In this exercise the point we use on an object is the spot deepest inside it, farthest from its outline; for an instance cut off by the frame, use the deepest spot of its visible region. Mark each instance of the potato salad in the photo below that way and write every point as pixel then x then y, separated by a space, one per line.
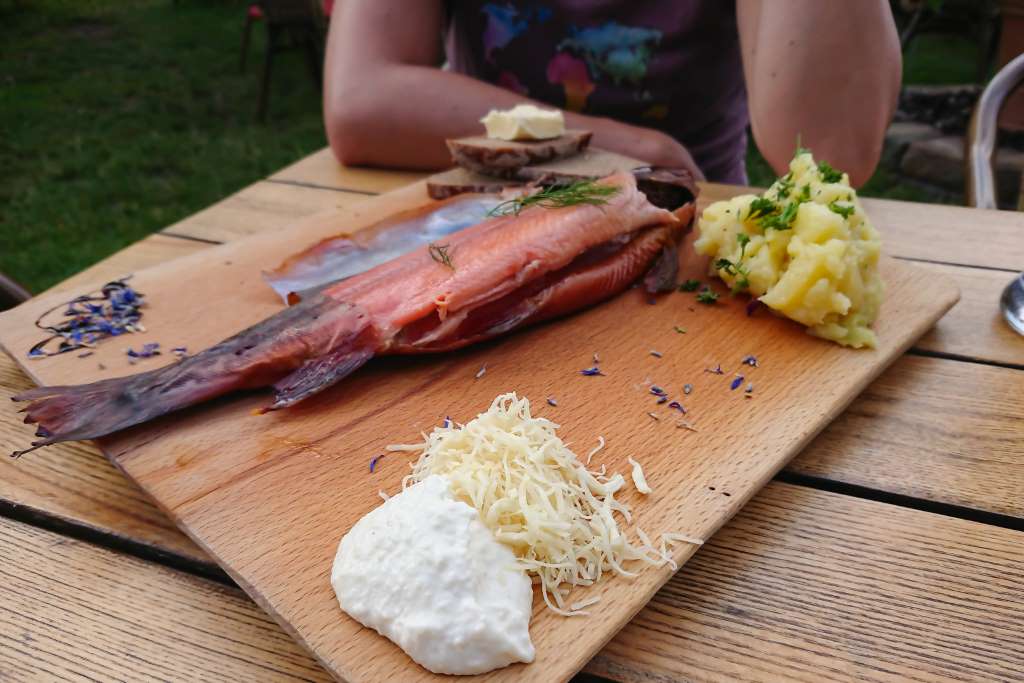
pixel 804 248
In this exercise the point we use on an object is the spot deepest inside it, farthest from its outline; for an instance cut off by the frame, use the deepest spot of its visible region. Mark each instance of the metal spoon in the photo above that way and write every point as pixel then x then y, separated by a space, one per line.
pixel 1012 303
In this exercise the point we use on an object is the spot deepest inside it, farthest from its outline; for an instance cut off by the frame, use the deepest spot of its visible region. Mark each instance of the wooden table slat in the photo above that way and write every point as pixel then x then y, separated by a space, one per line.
pixel 875 593
pixel 811 586
pixel 936 429
pixel 258 208
pixel 75 483
pixel 321 169
pixel 73 611
pixel 975 328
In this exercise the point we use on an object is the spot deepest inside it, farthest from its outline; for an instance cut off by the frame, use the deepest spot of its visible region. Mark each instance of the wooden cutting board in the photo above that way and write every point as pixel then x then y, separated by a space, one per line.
pixel 269 496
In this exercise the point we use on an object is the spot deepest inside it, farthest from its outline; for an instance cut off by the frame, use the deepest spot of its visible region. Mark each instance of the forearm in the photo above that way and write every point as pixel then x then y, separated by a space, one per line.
pixel 399 115
pixel 826 71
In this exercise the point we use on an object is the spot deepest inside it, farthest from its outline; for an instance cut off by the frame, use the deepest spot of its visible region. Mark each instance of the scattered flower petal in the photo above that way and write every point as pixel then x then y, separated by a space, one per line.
pixel 736 382
pixel 552 402
pixel 656 354
pixel 676 405
pixel 590 372
pixel 373 462
pixel 480 373
pixel 751 361
pixel 716 371
pixel 687 389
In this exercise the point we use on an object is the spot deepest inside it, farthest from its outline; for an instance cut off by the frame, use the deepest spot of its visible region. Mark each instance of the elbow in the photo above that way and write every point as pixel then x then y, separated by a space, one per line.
pixel 857 153
pixel 347 131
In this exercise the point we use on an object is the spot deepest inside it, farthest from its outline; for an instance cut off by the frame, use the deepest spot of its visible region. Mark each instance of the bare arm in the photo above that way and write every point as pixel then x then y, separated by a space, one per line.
pixel 387 104
pixel 826 70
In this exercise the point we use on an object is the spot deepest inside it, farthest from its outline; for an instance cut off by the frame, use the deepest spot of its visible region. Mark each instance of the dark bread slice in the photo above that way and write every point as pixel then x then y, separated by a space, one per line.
pixel 590 163
pixel 458 180
pixel 502 158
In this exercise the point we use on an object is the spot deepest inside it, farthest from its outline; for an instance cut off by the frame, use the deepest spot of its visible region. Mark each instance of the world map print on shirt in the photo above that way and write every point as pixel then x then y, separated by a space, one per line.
pixel 673 65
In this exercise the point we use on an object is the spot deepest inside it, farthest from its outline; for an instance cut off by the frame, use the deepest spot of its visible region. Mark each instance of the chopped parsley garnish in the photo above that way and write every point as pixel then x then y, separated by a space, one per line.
pixel 844 211
pixel 805 194
pixel 761 207
pixel 706 296
pixel 829 174
pixel 785 187
pixel 690 286
pixel 737 270
pixel 783 220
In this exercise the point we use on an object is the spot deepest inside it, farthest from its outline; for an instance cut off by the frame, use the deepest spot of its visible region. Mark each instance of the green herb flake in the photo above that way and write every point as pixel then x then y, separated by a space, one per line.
pixel 761 207
pixel 690 286
pixel 844 211
pixel 706 296
pixel 558 197
pixel 679 330
pixel 829 174
pixel 439 252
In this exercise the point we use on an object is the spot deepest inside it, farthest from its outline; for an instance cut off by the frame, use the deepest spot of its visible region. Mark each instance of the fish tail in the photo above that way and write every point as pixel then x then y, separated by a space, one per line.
pixel 304 348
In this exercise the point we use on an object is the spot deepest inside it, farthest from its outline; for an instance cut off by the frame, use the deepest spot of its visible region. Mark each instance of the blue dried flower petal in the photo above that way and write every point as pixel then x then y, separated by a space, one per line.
pixel 662 399
pixel 750 360
pixel 590 372
pixel 552 402
pixel 687 389
pixel 676 405
pixel 656 390
pixel 736 382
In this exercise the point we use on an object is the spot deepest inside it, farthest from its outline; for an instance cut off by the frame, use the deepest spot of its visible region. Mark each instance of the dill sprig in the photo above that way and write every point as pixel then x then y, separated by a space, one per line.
pixel 557 197
pixel 439 252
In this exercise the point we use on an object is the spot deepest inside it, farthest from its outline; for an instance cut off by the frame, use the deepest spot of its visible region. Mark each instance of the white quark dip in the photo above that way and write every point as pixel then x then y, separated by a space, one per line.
pixel 424 571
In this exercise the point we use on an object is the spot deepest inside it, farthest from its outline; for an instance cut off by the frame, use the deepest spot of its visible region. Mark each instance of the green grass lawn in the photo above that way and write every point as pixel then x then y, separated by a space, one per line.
pixel 119 117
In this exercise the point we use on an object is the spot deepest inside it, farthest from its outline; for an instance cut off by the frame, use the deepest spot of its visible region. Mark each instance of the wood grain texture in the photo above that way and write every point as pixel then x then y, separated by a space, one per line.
pixel 975 328
pixel 878 593
pixel 810 586
pixel 934 429
pixel 323 170
pixel 76 484
pixel 145 253
pixel 258 208
pixel 70 611
pixel 232 480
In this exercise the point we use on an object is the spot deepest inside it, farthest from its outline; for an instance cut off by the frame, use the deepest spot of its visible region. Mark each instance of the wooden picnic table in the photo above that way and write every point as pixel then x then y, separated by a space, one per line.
pixel 892 548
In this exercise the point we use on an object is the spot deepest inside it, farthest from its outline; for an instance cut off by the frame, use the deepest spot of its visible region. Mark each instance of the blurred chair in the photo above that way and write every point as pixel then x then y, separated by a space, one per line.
pixel 11 293
pixel 291 25
pixel 981 181
pixel 982 132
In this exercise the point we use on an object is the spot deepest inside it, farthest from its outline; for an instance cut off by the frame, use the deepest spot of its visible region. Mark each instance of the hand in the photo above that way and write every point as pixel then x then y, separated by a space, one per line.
pixel 660 149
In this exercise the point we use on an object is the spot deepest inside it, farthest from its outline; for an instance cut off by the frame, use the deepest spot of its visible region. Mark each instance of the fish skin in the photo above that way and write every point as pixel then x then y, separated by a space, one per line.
pixel 345 255
pixel 543 263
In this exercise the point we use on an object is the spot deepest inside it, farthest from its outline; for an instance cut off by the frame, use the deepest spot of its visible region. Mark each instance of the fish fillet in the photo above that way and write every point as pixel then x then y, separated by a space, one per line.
pixel 499 275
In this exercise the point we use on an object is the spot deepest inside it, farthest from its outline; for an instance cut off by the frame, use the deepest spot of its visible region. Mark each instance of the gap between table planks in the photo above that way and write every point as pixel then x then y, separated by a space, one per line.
pixel 254 482
pixel 880 593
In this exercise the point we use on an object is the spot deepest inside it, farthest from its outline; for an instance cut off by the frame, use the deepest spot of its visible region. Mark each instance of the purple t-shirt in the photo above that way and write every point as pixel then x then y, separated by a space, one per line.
pixel 674 65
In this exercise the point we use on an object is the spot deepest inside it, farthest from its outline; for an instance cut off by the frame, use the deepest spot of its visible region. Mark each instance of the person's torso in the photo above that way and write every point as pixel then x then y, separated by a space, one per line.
pixel 674 65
